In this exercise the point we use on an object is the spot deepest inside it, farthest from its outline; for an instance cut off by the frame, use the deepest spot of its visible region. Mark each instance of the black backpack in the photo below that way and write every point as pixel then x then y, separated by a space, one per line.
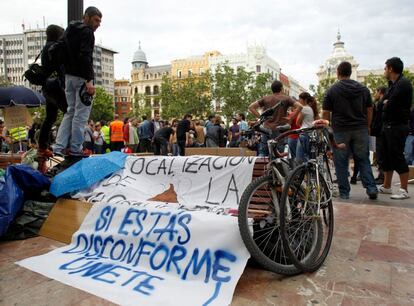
pixel 36 75
pixel 59 52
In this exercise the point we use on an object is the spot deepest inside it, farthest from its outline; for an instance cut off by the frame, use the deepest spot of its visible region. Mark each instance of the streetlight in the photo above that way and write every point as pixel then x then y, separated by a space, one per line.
pixel 75 10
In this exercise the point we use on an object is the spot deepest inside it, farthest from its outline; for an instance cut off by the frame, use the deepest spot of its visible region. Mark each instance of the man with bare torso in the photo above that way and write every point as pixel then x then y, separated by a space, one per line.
pixel 279 116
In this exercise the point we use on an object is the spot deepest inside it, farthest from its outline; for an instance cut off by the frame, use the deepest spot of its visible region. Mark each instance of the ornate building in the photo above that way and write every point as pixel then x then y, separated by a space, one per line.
pixel 255 60
pixel 193 65
pixel 339 54
pixel 146 82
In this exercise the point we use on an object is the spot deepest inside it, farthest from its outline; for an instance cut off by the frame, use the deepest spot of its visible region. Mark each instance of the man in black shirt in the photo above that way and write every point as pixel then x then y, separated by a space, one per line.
pixel 376 130
pixel 79 75
pixel 350 104
pixel 396 112
pixel 162 138
pixel 183 133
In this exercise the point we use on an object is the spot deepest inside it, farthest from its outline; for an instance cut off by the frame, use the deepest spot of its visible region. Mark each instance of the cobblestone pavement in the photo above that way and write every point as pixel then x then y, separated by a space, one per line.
pixel 371 263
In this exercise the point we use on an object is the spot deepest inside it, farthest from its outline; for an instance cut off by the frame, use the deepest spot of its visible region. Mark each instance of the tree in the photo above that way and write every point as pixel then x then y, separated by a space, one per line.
pixel 103 106
pixel 4 82
pixel 141 106
pixel 235 90
pixel 320 90
pixel 188 95
pixel 374 81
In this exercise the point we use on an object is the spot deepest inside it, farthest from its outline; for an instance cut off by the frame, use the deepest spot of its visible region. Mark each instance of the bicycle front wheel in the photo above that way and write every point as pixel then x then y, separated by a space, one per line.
pixel 306 227
pixel 258 219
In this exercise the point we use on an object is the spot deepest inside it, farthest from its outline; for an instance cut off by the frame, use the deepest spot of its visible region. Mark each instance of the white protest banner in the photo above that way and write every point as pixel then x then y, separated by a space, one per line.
pixel 213 183
pixel 143 255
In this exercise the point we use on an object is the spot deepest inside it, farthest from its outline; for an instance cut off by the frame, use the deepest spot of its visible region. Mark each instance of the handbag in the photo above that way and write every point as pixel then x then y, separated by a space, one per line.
pixel 35 74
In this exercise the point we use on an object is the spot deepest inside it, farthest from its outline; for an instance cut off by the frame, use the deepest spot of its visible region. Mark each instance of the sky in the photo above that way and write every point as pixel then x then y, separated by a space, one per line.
pixel 298 34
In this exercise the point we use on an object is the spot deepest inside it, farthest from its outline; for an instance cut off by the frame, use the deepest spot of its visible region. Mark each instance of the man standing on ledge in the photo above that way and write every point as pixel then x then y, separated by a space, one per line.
pixel 395 115
pixel 79 77
pixel 350 104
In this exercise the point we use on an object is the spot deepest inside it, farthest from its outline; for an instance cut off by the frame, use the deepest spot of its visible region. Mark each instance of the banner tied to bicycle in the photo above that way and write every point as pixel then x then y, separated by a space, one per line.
pixel 159 226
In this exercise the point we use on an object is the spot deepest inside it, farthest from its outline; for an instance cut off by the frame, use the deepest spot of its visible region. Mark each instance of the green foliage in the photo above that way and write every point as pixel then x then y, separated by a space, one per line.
pixel 4 82
pixel 235 90
pixel 141 106
pixel 232 90
pixel 103 106
pixel 320 90
pixel 188 95
pixel 374 81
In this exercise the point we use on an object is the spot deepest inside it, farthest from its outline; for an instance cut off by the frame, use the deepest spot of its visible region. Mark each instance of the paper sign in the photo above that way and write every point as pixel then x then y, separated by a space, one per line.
pixel 17 116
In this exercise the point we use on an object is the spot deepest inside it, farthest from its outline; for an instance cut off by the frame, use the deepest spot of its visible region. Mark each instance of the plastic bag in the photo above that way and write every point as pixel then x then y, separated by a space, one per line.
pixel 11 200
pixel 28 179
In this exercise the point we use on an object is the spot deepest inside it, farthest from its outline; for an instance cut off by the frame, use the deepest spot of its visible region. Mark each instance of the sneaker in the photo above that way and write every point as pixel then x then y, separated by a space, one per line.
pixel 353 180
pixel 384 190
pixel 403 194
pixel 372 195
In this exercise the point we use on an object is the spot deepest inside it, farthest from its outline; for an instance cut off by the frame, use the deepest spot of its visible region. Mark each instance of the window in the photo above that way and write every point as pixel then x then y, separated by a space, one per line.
pixel 179 73
pixel 156 90
pixel 258 68
pixel 190 72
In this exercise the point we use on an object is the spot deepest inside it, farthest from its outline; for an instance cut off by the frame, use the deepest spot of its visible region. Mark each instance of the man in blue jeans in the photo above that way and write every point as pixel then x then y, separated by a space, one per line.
pixel 349 104
pixel 79 75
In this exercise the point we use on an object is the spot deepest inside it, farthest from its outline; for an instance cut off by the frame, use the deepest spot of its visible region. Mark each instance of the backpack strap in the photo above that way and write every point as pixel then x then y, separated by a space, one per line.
pixel 37 57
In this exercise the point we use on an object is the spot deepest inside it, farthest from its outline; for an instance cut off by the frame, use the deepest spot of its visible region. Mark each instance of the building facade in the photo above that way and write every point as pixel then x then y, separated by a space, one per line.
pixel 295 89
pixel 146 82
pixel 103 65
pixel 193 65
pixel 122 98
pixel 255 60
pixel 339 54
pixel 18 51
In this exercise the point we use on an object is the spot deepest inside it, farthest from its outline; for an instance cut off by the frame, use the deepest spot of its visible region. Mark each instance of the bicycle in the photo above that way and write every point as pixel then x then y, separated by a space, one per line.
pixel 258 214
pixel 306 218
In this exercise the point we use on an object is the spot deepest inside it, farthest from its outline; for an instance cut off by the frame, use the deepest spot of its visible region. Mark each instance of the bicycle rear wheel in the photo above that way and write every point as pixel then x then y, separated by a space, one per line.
pixel 258 220
pixel 306 233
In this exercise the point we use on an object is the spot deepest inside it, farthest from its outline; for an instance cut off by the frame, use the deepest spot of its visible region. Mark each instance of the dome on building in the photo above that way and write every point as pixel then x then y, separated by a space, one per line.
pixel 339 49
pixel 139 56
pixel 339 54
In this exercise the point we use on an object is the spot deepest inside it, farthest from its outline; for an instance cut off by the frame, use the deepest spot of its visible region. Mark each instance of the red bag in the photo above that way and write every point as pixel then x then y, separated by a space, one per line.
pixel 126 150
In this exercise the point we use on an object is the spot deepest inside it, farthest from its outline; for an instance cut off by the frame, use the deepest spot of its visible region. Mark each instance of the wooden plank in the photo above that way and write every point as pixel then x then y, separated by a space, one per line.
pixel 200 151
pixel 9 159
pixel 64 219
pixel 219 151
pixel 411 174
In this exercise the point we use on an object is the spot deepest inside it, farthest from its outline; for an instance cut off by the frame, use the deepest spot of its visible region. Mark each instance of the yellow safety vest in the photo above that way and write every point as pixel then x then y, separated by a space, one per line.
pixel 18 134
pixel 105 131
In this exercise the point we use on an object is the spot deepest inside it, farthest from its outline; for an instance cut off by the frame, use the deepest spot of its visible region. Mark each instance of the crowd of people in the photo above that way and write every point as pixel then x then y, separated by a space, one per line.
pixel 385 127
